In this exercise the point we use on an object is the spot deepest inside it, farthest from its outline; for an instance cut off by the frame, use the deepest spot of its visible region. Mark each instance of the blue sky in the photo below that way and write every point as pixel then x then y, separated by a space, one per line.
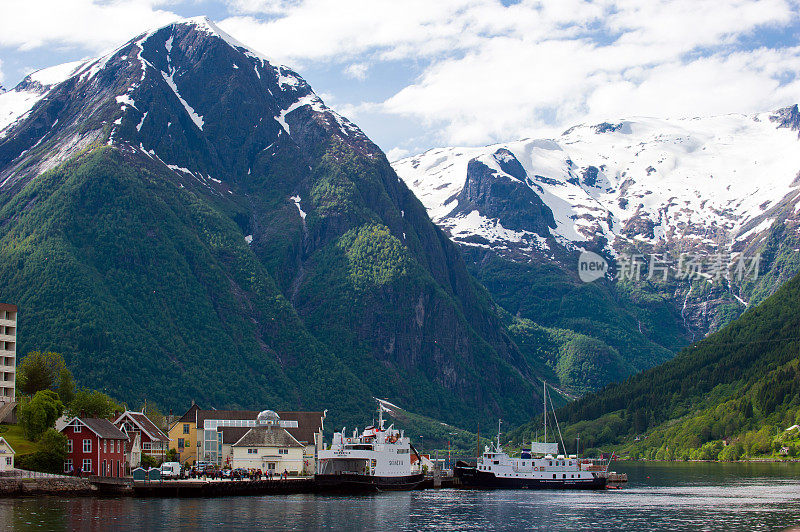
pixel 418 74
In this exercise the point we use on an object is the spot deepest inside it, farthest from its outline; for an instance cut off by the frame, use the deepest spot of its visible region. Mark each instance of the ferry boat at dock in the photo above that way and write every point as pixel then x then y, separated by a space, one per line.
pixel 376 459
pixel 539 466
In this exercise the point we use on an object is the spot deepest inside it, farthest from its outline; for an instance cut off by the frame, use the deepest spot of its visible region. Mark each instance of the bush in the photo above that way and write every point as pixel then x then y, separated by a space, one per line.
pixel 732 452
pixel 49 456
pixel 149 461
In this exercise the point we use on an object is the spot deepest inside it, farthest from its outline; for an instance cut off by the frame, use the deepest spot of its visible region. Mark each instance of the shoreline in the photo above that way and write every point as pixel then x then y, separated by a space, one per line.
pixel 748 461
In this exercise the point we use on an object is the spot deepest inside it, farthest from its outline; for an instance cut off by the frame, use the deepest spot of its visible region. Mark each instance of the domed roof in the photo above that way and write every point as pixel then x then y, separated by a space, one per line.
pixel 267 417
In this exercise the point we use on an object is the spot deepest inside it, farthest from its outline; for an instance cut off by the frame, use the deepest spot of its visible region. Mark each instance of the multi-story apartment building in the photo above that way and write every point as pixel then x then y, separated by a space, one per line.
pixel 8 353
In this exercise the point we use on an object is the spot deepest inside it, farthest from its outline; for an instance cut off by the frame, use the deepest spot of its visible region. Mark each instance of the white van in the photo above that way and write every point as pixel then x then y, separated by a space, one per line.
pixel 170 470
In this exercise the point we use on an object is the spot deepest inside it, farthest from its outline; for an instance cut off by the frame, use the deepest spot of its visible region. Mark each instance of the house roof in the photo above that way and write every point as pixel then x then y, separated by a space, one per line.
pixel 3 440
pixel 267 437
pixel 202 415
pixel 189 417
pixel 8 306
pixel 144 423
pixel 231 435
pixel 308 424
pixel 104 429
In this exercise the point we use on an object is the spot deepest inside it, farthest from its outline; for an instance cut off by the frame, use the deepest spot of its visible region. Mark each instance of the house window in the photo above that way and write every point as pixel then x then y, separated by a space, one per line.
pixel 252 451
pixel 180 443
pixel 8 460
pixel 67 465
pixel 119 445
pixel 186 428
pixel 87 465
pixel 76 429
pixel 87 446
pixel 69 446
pixel 283 451
pixel 105 447
pixel 271 467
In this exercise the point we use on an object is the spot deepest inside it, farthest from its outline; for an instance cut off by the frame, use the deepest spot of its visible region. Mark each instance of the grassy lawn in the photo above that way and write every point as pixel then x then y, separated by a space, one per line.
pixel 16 438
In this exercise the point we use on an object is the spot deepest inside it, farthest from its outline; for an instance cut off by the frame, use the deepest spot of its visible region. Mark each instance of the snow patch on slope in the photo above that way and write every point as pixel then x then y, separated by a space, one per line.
pixel 15 103
pixel 196 118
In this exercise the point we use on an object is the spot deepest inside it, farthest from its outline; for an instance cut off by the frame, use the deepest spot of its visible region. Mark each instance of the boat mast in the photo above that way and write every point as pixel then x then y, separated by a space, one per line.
pixel 499 421
pixel 544 398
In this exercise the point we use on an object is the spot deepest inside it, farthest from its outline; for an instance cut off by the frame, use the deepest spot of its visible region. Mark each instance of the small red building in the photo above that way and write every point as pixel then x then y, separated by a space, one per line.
pixel 94 447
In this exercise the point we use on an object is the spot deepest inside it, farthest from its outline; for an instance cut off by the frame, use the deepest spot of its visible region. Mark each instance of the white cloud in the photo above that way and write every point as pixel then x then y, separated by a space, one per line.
pixel 90 24
pixel 323 29
pixel 486 71
pixel 395 154
pixel 495 72
pixel 357 71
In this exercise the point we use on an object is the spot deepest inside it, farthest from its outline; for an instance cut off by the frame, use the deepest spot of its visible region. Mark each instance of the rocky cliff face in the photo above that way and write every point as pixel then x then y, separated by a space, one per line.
pixel 205 223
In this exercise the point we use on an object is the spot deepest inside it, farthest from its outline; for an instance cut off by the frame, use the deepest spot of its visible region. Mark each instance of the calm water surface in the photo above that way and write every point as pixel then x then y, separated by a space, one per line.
pixel 657 497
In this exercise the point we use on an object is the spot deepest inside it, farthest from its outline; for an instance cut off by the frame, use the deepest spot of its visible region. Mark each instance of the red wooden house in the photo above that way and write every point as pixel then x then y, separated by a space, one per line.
pixel 94 447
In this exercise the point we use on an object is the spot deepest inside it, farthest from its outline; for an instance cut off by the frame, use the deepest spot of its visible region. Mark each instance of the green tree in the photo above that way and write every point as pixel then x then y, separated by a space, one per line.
pixel 40 413
pixel 92 403
pixel 66 386
pixel 39 371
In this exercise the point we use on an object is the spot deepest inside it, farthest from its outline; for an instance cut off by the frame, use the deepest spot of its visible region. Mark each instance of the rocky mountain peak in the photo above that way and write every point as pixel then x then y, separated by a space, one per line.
pixel 169 93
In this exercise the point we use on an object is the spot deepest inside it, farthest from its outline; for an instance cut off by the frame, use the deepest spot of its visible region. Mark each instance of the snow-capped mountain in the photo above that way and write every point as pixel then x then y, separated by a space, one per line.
pixel 724 185
pixel 145 73
pixel 182 210
pixel 706 182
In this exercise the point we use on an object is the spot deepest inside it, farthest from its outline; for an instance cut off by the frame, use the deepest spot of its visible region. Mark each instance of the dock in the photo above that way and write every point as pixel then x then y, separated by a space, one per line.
pixel 221 488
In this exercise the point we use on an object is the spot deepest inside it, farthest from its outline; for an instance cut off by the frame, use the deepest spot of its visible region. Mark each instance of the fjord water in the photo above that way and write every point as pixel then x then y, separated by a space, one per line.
pixel 659 496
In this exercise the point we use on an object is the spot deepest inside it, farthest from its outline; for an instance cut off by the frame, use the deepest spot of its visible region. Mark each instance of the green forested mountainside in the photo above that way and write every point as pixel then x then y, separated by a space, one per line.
pixel 730 395
pixel 151 291
pixel 587 334
pixel 153 294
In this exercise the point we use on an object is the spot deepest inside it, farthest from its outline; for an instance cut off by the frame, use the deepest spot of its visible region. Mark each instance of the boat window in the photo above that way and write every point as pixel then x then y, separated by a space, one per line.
pixel 564 476
pixel 554 476
pixel 496 462
pixel 551 462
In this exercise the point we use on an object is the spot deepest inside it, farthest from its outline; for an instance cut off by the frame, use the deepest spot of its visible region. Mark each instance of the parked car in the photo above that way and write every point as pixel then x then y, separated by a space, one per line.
pixel 171 470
